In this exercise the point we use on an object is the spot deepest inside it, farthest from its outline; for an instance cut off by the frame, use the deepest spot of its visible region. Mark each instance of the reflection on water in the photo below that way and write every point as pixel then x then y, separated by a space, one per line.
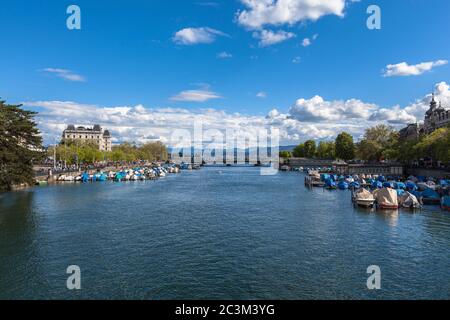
pixel 218 233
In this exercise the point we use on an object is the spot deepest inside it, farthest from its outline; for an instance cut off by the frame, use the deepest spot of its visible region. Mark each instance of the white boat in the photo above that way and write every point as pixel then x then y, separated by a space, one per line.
pixel 387 198
pixel 409 201
pixel 364 198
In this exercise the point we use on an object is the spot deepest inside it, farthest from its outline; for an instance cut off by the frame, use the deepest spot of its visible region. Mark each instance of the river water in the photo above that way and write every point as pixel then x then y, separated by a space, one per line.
pixel 217 233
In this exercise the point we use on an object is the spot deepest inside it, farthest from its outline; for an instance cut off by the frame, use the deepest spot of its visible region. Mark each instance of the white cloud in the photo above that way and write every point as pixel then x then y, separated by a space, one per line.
pixel 65 74
pixel 196 96
pixel 307 41
pixel 269 38
pixel 261 95
pixel 317 109
pixel 259 13
pixel 403 69
pixel 191 36
pixel 224 55
pixel 314 118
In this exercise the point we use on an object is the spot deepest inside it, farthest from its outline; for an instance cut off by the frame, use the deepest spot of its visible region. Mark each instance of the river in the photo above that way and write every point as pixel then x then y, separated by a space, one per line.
pixel 217 233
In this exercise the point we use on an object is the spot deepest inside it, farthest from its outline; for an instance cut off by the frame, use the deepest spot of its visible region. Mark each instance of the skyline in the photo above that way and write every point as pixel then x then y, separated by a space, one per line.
pixel 145 69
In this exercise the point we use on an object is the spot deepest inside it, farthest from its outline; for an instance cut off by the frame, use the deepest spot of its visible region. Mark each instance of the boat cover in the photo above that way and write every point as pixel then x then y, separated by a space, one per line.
pixel 430 194
pixel 363 194
pixel 386 196
pixel 408 200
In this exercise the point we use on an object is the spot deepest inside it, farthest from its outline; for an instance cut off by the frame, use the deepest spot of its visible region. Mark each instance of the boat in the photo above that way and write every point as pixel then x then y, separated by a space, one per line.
pixel 386 198
pixel 343 185
pixel 409 201
pixel 431 197
pixel 364 198
pixel 314 180
pixel 445 203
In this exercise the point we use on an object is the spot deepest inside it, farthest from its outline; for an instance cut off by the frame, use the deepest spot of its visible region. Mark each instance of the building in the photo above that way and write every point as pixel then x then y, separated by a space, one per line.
pixel 436 117
pixel 385 169
pixel 411 132
pixel 96 134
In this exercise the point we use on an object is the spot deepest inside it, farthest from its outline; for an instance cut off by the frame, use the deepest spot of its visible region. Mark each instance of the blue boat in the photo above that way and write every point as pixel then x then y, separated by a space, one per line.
pixel 377 185
pixel 330 184
pixel 431 197
pixel 343 185
pixel 446 203
pixel 399 185
pixel 388 185
pixel 85 177
pixel 411 186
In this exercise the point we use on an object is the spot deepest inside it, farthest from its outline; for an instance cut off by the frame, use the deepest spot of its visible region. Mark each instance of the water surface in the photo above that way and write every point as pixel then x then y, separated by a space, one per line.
pixel 217 233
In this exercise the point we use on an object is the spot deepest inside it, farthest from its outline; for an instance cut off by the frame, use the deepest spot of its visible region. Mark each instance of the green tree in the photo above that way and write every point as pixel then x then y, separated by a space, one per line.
pixel 20 145
pixel 299 151
pixel 310 149
pixel 285 154
pixel 380 142
pixel 345 148
pixel 436 145
pixel 326 150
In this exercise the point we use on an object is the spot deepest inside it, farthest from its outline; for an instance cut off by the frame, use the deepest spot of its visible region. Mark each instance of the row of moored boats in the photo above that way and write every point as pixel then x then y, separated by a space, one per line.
pixel 387 193
pixel 135 174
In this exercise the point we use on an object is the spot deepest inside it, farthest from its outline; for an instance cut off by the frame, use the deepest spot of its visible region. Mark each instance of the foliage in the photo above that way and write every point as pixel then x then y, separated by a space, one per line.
pixel 379 143
pixel 299 151
pixel 285 154
pixel 20 145
pixel 326 150
pixel 344 146
pixel 310 149
pixel 78 152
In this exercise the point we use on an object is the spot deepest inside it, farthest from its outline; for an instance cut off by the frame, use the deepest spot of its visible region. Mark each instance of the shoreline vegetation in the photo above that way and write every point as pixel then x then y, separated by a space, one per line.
pixel 21 149
pixel 381 144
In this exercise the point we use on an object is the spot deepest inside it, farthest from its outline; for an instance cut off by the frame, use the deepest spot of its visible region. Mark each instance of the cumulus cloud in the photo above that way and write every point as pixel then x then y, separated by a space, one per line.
pixel 64 74
pixel 317 109
pixel 403 69
pixel 314 118
pixel 191 36
pixel 269 38
pixel 259 13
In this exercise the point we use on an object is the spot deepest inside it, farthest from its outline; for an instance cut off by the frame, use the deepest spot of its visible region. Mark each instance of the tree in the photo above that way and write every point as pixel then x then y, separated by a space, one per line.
pixel 310 149
pixel 326 150
pixel 20 145
pixel 345 148
pixel 380 142
pixel 285 154
pixel 436 145
pixel 299 151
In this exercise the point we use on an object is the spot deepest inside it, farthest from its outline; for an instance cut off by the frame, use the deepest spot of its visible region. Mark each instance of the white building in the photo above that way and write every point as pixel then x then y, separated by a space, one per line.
pixel 96 134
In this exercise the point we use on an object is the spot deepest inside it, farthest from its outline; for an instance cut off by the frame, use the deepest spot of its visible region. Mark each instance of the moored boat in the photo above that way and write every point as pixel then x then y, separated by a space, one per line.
pixel 445 204
pixel 386 198
pixel 364 198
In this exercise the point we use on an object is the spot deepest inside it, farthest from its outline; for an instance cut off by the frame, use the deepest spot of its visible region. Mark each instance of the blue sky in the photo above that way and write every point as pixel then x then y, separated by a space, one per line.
pixel 127 54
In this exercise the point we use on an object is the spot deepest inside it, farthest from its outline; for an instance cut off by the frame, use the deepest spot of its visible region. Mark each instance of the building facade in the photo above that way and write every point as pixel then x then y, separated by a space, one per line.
pixel 95 134
pixel 436 117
